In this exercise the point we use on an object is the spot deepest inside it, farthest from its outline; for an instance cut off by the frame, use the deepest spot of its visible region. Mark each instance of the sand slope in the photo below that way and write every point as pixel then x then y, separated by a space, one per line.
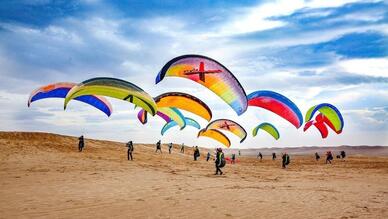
pixel 44 176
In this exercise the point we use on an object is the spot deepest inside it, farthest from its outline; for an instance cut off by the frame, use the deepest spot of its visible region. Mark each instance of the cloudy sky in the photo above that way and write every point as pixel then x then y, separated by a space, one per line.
pixel 310 51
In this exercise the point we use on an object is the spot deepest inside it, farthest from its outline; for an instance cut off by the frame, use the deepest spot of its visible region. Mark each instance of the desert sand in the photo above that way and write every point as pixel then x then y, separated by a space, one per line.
pixel 44 176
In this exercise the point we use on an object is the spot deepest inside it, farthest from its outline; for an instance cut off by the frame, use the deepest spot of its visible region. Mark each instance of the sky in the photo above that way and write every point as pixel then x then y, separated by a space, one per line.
pixel 316 51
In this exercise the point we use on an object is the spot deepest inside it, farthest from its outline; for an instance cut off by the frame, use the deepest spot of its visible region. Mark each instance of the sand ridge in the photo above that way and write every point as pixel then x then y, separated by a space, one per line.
pixel 43 175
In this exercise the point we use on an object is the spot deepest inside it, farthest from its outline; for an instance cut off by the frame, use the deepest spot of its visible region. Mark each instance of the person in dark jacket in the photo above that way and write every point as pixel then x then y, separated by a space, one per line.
pixel 274 156
pixel 169 148
pixel 130 150
pixel 208 156
pixel 285 160
pixel 196 153
pixel 260 156
pixel 158 147
pixel 81 143
pixel 317 157
pixel 220 161
pixel 183 148
pixel 343 154
pixel 329 157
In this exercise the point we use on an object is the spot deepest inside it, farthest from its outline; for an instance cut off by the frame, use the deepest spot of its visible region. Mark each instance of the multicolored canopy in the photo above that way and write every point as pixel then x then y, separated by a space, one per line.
pixel 209 73
pixel 269 128
pixel 277 104
pixel 230 126
pixel 60 90
pixel 116 88
pixel 189 121
pixel 330 112
pixel 185 102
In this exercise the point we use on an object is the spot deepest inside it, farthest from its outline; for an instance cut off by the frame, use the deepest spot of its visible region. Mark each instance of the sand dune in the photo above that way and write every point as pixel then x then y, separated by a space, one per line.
pixel 43 175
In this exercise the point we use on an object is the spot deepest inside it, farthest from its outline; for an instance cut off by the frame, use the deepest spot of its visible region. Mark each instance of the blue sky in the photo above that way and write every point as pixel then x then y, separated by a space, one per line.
pixel 310 51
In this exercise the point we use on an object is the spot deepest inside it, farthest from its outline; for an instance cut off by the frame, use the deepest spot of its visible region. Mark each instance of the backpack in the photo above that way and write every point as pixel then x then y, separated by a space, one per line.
pixel 223 161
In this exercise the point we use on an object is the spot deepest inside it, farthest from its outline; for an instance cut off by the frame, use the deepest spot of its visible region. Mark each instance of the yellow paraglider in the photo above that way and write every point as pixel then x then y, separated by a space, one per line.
pixel 185 102
pixel 216 135
pixel 115 88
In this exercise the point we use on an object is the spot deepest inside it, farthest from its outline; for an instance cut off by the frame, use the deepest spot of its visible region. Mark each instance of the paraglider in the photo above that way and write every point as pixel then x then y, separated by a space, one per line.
pixel 60 90
pixel 189 121
pixel 228 125
pixel 116 88
pixel 209 73
pixel 175 115
pixel 329 111
pixel 185 102
pixel 216 135
pixel 269 128
pixel 321 122
pixel 277 104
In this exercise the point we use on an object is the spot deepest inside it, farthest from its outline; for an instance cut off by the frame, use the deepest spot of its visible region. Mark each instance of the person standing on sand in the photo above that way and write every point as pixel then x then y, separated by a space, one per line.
pixel 329 157
pixel 273 156
pixel 343 154
pixel 285 160
pixel 220 161
pixel 196 153
pixel 183 148
pixel 169 148
pixel 260 156
pixel 317 157
pixel 81 143
pixel 130 150
pixel 158 147
pixel 208 156
pixel 239 153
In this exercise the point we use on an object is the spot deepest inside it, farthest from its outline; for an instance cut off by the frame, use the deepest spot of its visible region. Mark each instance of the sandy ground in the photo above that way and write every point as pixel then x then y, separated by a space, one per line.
pixel 44 176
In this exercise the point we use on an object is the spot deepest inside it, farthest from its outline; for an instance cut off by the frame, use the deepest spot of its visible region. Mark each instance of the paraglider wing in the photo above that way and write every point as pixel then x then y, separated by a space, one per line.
pixel 115 88
pixel 209 73
pixel 189 121
pixel 322 129
pixel 216 135
pixel 228 125
pixel 319 124
pixel 269 128
pixel 175 115
pixel 185 102
pixel 142 116
pixel 330 112
pixel 60 90
pixel 307 125
pixel 328 123
pixel 277 104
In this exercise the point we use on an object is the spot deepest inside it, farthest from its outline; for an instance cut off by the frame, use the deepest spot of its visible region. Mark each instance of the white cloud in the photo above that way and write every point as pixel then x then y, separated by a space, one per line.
pixel 258 18
pixel 377 67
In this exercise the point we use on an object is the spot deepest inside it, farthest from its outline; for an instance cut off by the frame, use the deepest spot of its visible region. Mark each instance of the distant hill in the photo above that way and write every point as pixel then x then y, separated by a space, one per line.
pixel 304 150
pixel 54 139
